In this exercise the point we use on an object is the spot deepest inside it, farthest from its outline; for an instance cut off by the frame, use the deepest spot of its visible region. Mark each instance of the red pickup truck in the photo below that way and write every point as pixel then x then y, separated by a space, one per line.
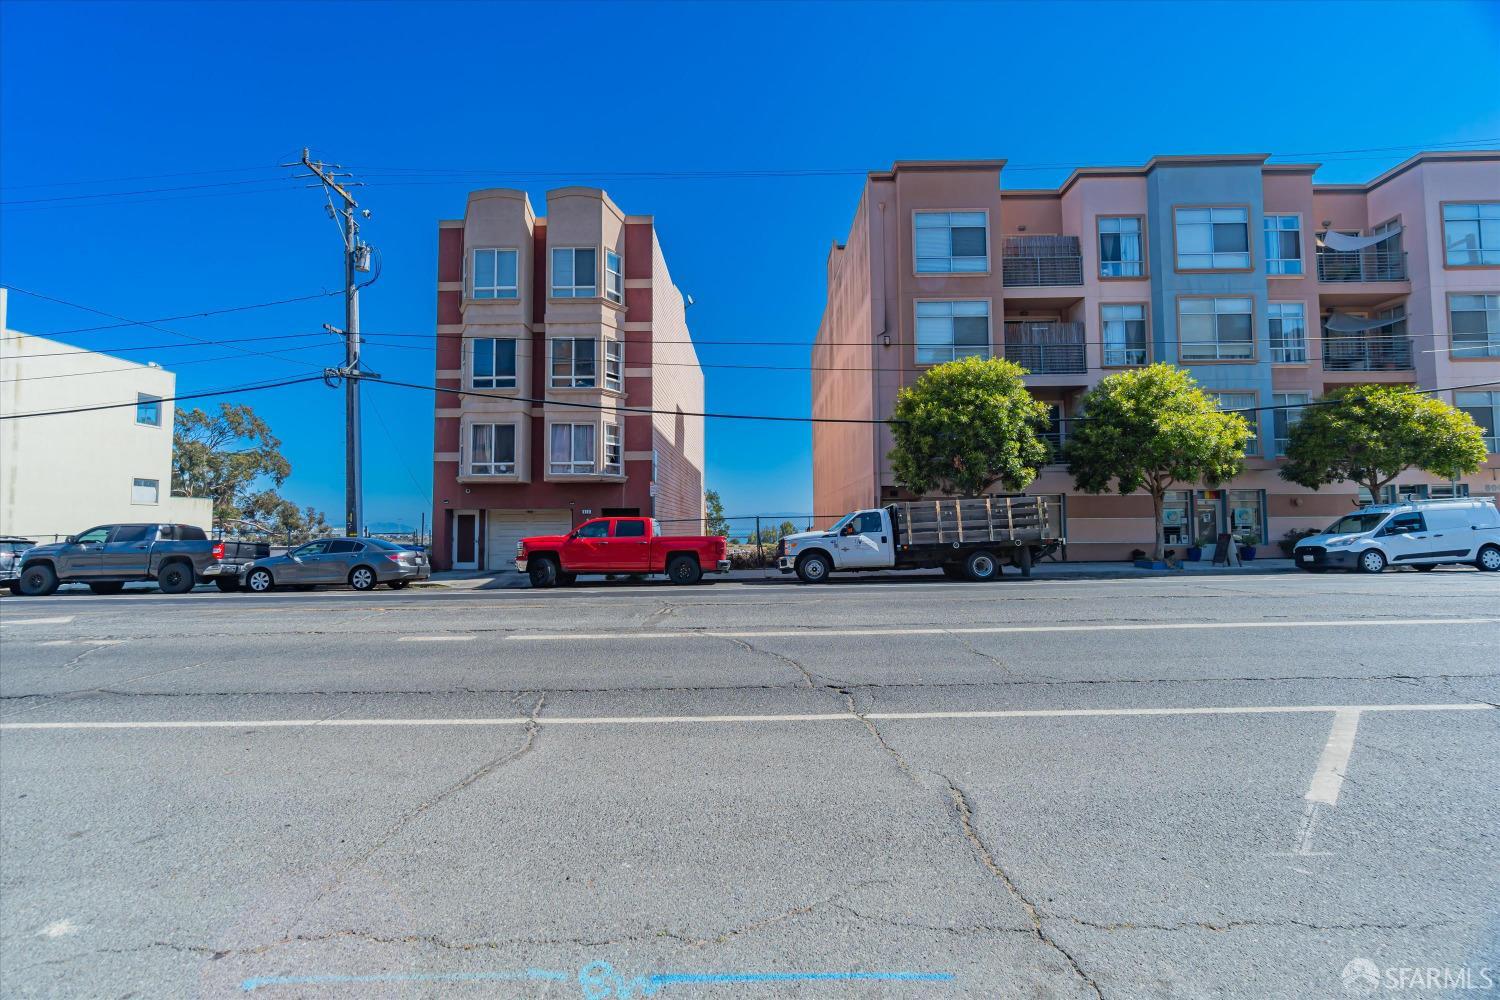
pixel 620 545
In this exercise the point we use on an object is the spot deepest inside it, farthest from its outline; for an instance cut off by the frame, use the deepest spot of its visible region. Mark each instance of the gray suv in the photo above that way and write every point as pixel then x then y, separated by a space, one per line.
pixel 359 562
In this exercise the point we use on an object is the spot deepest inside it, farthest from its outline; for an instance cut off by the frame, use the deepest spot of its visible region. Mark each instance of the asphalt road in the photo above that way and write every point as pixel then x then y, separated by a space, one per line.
pixel 1215 787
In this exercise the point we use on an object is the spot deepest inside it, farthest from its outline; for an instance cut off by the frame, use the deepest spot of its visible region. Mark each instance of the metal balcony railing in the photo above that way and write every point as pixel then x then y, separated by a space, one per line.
pixel 1370 264
pixel 1041 260
pixel 1366 354
pixel 1046 348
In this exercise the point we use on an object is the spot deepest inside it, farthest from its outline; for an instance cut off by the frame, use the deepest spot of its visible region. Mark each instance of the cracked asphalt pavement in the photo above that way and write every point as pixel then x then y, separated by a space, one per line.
pixel 1224 787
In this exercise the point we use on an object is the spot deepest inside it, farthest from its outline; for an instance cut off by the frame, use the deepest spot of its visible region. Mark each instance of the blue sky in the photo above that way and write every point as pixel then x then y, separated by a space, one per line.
pixel 474 96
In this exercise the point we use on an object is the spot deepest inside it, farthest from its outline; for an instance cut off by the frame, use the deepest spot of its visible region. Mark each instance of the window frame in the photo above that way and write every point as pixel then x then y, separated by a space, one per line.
pixel 473 289
pixel 573 379
pixel 552 285
pixel 617 383
pixel 155 485
pixel 1255 447
pixel 613 277
pixel 1145 261
pixel 1443 234
pixel 989 243
pixel 1254 357
pixel 573 463
pixel 1492 439
pixel 1271 314
pixel 1249 243
pixel 606 467
pixel 147 399
pixel 1104 347
pixel 989 318
pixel 1492 335
pixel 468 448
pixel 1301 246
pixel 472 344
pixel 1285 411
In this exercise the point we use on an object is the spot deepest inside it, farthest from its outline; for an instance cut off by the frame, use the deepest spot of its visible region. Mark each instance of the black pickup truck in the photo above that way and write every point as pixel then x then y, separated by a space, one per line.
pixel 176 556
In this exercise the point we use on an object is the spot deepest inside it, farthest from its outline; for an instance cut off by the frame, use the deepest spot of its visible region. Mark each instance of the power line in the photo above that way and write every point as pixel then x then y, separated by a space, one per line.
pixel 124 194
pixel 163 319
pixel 252 387
pixel 136 177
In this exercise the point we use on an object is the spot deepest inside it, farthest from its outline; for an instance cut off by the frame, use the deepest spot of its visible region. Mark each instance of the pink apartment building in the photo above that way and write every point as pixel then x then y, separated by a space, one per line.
pixel 551 330
pixel 1270 288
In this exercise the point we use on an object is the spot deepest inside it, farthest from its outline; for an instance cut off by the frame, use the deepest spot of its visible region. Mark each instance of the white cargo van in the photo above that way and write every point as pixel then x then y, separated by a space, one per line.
pixel 1422 534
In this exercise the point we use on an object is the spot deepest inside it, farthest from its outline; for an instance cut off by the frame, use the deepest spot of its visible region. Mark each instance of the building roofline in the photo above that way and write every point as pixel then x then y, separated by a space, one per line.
pixel 918 166
pixel 1437 156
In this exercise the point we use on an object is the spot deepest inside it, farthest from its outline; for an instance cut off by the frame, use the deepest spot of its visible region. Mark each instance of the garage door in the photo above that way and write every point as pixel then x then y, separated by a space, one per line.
pixel 504 528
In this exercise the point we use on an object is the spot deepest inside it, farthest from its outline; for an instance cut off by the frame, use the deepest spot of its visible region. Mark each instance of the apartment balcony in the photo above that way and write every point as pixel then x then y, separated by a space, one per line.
pixel 1046 348
pixel 1040 261
pixel 1366 354
pixel 1353 266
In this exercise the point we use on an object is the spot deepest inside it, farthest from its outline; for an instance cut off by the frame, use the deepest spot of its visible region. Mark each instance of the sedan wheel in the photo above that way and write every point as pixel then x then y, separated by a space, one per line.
pixel 259 581
pixel 362 578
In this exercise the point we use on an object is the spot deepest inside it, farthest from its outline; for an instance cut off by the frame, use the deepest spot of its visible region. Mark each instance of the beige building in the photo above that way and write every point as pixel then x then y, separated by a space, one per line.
pixel 60 475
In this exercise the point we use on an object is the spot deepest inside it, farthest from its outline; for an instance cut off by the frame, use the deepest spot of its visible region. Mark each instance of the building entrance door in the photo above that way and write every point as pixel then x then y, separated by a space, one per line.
pixel 1208 518
pixel 466 539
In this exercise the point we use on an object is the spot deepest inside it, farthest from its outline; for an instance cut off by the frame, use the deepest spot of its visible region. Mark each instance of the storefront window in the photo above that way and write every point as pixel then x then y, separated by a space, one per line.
pixel 1247 513
pixel 1175 520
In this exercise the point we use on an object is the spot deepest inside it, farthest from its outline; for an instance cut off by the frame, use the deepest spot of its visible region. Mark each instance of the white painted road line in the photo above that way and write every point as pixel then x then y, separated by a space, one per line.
pixel 985 630
pixel 65 619
pixel 436 638
pixel 1323 791
pixel 629 720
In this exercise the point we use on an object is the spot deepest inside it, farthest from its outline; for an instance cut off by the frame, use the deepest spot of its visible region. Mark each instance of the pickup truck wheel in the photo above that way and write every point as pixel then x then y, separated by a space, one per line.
pixel 814 568
pixel 684 570
pixel 38 581
pixel 362 578
pixel 259 582
pixel 107 587
pixel 982 566
pixel 543 572
pixel 175 578
pixel 227 584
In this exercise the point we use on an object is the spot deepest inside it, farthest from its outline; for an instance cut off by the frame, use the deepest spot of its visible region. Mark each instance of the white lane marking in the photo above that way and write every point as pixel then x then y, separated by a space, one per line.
pixel 1333 764
pixel 63 620
pixel 628 720
pixel 58 928
pixel 435 638
pixel 987 630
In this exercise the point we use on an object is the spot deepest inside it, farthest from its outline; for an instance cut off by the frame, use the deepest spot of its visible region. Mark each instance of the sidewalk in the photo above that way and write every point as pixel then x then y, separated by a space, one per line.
pixel 511 580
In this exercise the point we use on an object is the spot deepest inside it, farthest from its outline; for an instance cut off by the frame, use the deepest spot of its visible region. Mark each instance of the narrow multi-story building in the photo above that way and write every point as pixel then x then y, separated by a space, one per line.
pixel 571 376
pixel 1271 289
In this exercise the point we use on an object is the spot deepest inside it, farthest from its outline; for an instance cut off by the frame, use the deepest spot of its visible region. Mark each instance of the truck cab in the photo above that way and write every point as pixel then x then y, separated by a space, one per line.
pixel 862 540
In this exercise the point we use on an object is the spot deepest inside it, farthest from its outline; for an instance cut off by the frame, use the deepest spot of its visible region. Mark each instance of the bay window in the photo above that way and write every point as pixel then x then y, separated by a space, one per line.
pixel 951 242
pixel 575 273
pixel 614 365
pixel 492 363
pixel 572 450
pixel 1217 329
pixel 1213 239
pixel 614 277
pixel 947 331
pixel 492 449
pixel 614 452
pixel 492 274
pixel 574 363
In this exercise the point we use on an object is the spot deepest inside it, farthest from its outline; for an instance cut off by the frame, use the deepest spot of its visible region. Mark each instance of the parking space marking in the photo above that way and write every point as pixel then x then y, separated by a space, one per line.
pixel 435 638
pixel 628 720
pixel 983 630
pixel 1323 790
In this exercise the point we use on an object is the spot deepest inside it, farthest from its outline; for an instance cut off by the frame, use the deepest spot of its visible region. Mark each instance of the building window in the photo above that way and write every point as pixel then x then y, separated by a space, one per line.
pixel 1247 513
pixel 1215 329
pixel 1288 323
pixel 1472 234
pixel 1211 239
pixel 493 274
pixel 1124 335
pixel 1243 403
pixel 1447 491
pixel 948 242
pixel 614 452
pixel 1474 325
pixel 1283 244
pixel 574 363
pixel 493 449
pixel 1120 250
pixel 614 365
pixel 575 273
pixel 493 363
pixel 1287 413
pixel 147 491
pixel 147 410
pixel 614 277
pixel 947 331
pixel 1484 407
pixel 572 451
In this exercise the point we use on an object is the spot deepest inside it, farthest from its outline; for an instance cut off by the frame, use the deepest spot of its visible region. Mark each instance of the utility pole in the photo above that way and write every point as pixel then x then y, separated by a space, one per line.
pixel 356 261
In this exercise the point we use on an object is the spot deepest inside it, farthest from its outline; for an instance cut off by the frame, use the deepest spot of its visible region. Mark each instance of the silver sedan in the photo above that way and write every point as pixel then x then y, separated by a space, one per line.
pixel 360 562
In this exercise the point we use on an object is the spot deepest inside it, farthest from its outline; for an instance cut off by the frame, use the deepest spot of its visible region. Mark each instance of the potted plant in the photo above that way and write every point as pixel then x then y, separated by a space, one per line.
pixel 1248 541
pixel 1195 551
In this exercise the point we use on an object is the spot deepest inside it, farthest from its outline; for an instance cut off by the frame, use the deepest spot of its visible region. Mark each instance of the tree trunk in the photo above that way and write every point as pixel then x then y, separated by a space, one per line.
pixel 1157 496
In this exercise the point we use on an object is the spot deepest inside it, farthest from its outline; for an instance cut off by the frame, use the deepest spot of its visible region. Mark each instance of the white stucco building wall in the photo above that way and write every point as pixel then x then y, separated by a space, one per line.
pixel 60 475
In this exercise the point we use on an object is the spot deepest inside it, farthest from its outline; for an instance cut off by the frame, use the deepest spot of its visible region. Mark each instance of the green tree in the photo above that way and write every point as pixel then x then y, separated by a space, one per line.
pixel 965 426
pixel 1370 434
pixel 223 455
pixel 283 520
pixel 1149 429
pixel 713 511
